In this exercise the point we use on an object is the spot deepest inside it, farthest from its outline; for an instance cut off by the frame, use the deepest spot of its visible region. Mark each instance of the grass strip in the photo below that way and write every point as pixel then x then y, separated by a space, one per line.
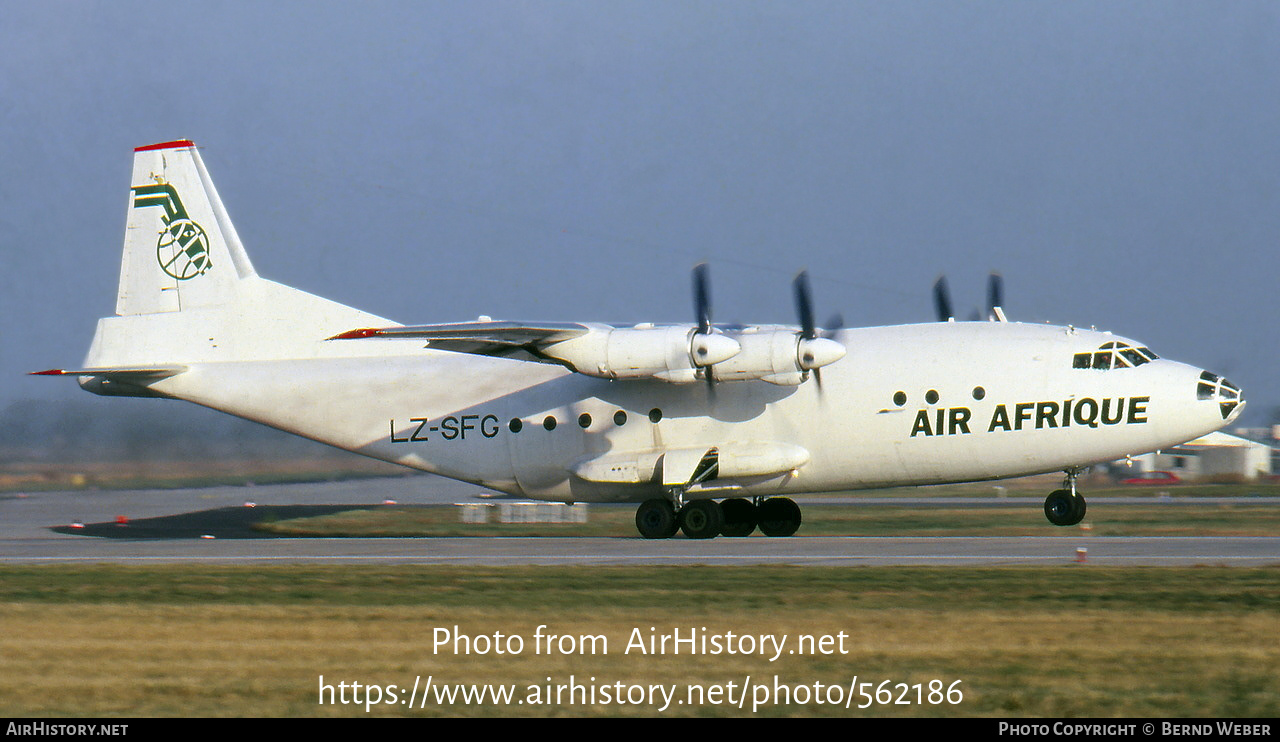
pixel 250 641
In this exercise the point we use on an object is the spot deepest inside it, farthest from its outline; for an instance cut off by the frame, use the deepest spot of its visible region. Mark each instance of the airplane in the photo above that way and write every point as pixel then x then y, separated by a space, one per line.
pixel 711 429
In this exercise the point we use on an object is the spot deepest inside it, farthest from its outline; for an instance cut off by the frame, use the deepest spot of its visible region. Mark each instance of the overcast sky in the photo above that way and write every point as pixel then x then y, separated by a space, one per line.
pixel 1119 162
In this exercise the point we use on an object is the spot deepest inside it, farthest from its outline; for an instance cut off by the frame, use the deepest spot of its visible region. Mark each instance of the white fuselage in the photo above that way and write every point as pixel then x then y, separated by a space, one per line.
pixel 1008 403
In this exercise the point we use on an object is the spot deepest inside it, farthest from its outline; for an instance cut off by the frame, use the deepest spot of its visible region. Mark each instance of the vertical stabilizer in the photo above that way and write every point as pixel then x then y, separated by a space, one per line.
pixel 188 292
pixel 180 249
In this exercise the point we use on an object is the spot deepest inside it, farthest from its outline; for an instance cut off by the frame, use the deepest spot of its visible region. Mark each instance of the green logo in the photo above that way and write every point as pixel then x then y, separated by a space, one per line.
pixel 183 248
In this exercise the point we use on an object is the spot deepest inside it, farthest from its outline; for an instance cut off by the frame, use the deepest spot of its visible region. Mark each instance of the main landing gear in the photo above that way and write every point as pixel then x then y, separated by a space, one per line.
pixel 734 517
pixel 1065 507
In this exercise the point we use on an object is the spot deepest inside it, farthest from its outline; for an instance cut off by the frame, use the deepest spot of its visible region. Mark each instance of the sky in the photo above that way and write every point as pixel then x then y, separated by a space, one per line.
pixel 1117 162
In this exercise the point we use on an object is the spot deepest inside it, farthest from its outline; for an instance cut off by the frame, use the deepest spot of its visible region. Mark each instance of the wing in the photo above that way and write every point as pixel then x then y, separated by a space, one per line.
pixel 501 338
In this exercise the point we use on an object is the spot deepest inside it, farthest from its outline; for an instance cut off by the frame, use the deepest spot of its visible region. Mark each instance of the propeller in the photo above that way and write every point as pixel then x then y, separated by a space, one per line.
pixel 707 347
pixel 995 300
pixel 812 352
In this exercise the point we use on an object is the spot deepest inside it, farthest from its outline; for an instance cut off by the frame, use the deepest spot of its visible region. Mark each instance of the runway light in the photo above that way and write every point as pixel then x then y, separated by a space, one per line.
pixel 1082 554
pixel 77 524
pixel 122 520
pixel 206 536
pixel 389 501
pixel 250 504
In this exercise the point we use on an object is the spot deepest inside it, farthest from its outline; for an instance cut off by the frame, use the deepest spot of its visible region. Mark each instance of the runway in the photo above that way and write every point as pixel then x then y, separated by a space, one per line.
pixel 209 526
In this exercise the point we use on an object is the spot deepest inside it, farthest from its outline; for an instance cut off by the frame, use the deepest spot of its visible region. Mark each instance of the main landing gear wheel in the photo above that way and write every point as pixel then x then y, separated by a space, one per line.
pixel 656 519
pixel 778 516
pixel 1064 508
pixel 739 517
pixel 701 519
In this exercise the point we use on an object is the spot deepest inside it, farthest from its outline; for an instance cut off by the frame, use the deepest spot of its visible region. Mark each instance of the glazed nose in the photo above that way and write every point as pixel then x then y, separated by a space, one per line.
pixel 1215 388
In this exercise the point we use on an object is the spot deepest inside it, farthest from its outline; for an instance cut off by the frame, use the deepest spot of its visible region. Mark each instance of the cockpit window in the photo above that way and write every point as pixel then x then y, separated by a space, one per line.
pixel 1133 356
pixel 1113 355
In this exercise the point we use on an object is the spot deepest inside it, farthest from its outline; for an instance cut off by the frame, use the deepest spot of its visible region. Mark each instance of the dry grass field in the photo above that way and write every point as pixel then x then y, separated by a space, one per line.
pixel 1063 642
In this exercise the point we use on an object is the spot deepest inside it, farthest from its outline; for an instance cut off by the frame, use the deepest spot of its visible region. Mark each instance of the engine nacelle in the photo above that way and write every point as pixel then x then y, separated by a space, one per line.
pixel 780 357
pixel 673 354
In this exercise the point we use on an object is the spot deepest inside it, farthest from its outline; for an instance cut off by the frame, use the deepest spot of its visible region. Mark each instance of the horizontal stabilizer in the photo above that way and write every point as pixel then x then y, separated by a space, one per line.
pixel 149 374
pixel 117 381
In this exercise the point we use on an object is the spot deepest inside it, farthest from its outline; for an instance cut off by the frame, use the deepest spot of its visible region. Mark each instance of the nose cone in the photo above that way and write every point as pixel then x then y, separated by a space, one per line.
pixel 1214 388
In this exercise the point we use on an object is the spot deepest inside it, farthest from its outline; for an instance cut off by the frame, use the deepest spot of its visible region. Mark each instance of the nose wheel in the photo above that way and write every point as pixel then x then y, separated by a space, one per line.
pixel 1065 507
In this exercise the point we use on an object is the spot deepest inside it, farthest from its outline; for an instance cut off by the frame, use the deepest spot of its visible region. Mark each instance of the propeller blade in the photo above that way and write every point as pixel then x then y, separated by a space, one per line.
pixel 942 300
pixel 702 298
pixel 804 305
pixel 995 296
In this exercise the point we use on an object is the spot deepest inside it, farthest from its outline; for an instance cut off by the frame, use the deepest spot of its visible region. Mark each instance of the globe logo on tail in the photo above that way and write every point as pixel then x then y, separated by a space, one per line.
pixel 182 249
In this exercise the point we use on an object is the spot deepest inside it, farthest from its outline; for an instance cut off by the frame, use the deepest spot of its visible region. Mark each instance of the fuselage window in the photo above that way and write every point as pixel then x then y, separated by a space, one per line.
pixel 1082 360
pixel 515 425
pixel 549 422
pixel 899 398
pixel 931 396
pixel 584 420
pixel 655 415
pixel 979 392
pixel 619 418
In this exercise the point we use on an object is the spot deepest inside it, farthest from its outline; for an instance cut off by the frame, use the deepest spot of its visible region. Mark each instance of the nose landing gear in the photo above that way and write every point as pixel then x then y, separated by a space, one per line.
pixel 1065 507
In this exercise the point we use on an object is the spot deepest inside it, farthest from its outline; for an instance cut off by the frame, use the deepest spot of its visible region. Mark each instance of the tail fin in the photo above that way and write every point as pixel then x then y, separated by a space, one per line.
pixel 188 292
pixel 180 248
